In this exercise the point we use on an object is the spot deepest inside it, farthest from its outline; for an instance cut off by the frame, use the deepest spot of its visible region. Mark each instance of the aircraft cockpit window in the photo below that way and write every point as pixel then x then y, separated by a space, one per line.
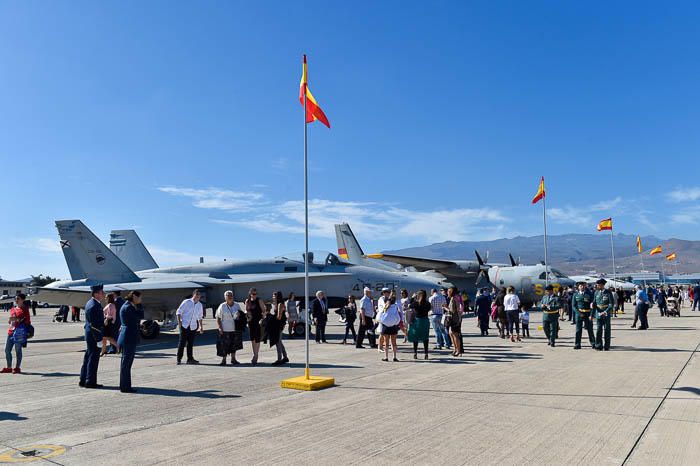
pixel 543 276
pixel 332 259
pixel 556 273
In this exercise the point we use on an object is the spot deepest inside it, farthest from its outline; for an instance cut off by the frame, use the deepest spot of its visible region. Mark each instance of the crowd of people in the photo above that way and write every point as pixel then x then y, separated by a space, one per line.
pixel 116 325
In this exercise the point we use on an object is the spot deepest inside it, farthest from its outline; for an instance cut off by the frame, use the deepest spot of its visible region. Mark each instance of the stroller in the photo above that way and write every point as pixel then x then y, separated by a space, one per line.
pixel 673 309
pixel 61 314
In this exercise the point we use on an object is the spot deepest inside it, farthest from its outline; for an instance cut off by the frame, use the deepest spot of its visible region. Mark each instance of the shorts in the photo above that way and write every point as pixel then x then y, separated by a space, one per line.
pixel 393 330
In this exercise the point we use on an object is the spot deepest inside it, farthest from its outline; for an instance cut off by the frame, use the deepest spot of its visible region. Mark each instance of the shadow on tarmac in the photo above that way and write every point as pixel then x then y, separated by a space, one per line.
pixel 693 390
pixel 208 394
pixel 51 374
pixel 6 416
pixel 652 350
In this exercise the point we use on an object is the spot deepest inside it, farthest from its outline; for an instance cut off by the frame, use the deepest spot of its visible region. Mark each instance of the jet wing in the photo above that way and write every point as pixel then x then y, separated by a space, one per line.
pixel 420 264
pixel 158 289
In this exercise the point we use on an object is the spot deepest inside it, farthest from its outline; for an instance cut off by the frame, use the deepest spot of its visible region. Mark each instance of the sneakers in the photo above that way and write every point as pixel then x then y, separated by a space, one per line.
pixel 6 370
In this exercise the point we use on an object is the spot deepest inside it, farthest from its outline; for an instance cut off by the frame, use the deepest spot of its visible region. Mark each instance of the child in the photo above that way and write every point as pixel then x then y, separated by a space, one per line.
pixel 525 322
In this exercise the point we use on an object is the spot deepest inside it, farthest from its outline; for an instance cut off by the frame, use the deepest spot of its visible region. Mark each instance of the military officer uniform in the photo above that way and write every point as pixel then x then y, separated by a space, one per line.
pixel 129 337
pixel 94 328
pixel 550 305
pixel 603 308
pixel 582 304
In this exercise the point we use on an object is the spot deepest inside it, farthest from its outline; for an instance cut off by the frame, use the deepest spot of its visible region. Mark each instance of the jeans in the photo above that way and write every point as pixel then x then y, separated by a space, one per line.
pixel 443 339
pixel 8 351
pixel 642 310
pixel 695 303
pixel 513 322
pixel 186 339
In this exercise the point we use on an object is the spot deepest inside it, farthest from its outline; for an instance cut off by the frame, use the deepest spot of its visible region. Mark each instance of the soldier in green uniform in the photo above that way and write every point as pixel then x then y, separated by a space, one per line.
pixel 550 305
pixel 603 308
pixel 581 304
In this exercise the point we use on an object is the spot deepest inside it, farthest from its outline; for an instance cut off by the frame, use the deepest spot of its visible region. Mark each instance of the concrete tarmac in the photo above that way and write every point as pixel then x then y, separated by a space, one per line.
pixel 501 403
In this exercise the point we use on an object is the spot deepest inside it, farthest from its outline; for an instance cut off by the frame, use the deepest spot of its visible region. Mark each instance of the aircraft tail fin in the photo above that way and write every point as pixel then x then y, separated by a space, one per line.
pixel 128 247
pixel 348 247
pixel 88 258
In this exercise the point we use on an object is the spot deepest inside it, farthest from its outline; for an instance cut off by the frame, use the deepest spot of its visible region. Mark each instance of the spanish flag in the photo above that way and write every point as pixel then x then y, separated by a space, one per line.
pixel 540 192
pixel 639 244
pixel 671 257
pixel 313 111
pixel 605 224
pixel 656 250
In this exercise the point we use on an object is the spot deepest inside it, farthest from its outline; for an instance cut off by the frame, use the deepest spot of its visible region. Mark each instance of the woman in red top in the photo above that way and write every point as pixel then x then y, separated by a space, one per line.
pixel 18 315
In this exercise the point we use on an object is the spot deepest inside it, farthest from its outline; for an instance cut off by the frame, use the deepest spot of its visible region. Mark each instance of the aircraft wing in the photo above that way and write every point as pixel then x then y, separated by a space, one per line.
pixel 420 264
pixel 156 291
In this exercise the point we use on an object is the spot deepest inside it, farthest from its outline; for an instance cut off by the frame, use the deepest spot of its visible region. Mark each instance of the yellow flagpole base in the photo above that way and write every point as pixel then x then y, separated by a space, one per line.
pixel 539 327
pixel 307 382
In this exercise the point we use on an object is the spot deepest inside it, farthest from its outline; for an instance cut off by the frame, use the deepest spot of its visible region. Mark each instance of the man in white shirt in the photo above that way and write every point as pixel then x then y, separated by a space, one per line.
pixel 437 302
pixel 189 318
pixel 230 341
pixel 366 322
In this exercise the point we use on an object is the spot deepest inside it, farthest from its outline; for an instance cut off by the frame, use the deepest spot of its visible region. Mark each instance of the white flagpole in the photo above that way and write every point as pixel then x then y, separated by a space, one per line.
pixel 612 248
pixel 306 228
pixel 544 219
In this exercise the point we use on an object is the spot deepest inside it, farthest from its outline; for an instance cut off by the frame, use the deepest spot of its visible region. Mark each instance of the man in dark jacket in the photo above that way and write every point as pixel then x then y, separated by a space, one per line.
pixel 482 306
pixel 94 327
pixel 319 311
pixel 129 337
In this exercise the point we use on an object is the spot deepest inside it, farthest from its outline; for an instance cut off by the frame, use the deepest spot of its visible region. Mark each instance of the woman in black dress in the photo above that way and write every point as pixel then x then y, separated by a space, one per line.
pixel 276 322
pixel 254 308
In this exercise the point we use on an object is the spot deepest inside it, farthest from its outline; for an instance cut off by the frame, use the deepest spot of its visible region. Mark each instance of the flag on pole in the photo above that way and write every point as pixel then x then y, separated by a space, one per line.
pixel 605 224
pixel 540 192
pixel 656 250
pixel 313 110
pixel 639 244
pixel 671 257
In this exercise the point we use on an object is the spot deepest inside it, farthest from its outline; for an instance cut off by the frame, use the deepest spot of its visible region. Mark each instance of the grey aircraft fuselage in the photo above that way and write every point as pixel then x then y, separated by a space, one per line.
pixel 90 262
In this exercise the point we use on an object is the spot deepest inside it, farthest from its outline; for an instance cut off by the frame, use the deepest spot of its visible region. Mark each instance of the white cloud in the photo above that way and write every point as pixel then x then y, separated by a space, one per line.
pixel 688 216
pixel 684 194
pixel 220 199
pixel 40 244
pixel 584 216
pixel 371 220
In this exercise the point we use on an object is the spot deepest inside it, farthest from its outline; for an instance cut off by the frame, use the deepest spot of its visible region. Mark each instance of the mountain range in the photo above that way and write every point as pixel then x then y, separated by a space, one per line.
pixel 574 254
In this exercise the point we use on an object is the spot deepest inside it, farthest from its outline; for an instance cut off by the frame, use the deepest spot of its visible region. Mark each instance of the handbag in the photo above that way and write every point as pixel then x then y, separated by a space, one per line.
pixel 30 331
pixel 19 334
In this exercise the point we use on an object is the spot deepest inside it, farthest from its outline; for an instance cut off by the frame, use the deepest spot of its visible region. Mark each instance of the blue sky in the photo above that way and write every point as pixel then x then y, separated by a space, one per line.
pixel 181 119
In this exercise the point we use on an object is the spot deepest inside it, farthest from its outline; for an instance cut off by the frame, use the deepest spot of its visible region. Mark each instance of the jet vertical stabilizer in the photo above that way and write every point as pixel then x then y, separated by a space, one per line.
pixel 88 258
pixel 128 247
pixel 348 247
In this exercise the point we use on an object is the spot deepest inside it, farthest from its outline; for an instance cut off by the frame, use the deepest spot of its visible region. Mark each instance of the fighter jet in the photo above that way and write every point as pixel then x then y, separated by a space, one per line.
pixel 590 280
pixel 91 262
pixel 528 280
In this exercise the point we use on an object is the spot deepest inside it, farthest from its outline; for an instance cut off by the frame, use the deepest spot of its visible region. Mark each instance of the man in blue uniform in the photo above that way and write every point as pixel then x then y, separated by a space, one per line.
pixel 603 307
pixel 581 305
pixel 129 337
pixel 550 305
pixel 94 326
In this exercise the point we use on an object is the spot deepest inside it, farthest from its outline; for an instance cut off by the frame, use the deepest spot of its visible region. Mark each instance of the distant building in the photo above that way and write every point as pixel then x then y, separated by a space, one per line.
pixel 684 278
pixel 13 288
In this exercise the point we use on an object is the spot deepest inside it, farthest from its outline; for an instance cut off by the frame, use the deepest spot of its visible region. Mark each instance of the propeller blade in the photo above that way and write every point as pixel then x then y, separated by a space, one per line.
pixel 487 257
pixel 480 277
pixel 478 258
pixel 512 261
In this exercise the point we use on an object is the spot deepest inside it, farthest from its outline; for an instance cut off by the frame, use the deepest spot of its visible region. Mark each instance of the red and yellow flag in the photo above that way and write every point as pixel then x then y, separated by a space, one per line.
pixel 671 257
pixel 540 192
pixel 313 110
pixel 639 244
pixel 656 250
pixel 605 224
